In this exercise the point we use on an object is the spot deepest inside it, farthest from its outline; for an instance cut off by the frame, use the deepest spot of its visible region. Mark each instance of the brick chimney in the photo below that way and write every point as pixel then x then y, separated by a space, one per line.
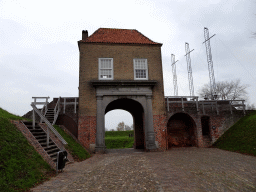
pixel 84 34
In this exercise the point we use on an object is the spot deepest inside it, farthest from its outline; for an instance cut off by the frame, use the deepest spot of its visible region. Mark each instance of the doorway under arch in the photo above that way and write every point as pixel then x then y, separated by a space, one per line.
pixel 137 112
pixel 181 131
pixel 114 117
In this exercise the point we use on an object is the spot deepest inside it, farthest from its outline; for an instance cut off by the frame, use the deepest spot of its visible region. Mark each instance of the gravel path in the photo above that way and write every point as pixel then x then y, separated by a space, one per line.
pixel 179 169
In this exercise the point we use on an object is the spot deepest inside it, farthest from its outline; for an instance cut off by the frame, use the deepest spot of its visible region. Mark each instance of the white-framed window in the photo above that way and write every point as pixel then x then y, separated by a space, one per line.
pixel 106 68
pixel 140 69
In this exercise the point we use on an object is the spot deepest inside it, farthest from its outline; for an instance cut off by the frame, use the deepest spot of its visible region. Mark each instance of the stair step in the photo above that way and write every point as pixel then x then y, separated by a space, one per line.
pixel 36 131
pixel 53 151
pixel 45 144
pixel 31 125
pixel 54 155
pixel 51 147
pixel 49 117
pixel 28 122
pixel 43 136
pixel 42 140
pixel 36 128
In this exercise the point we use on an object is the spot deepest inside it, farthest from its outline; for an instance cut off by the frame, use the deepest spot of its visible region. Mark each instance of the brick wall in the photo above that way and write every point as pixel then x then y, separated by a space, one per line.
pixel 87 130
pixel 159 122
pixel 123 56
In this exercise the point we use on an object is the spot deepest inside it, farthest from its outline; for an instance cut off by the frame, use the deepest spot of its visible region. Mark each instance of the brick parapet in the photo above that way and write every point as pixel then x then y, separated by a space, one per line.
pixel 33 141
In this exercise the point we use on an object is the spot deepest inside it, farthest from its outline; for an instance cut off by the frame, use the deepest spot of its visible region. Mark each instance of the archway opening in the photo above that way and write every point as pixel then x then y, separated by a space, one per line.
pixel 180 131
pixel 114 117
pixel 137 112
pixel 205 121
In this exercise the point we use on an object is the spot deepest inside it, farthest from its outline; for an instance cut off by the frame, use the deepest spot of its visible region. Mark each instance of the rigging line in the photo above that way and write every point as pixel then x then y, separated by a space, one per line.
pixel 237 60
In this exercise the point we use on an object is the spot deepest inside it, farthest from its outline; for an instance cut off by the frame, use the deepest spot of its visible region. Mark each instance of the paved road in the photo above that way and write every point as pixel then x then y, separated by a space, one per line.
pixel 179 169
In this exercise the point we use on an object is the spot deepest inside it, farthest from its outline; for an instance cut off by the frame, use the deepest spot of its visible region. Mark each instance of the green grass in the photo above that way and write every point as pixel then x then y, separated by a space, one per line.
pixel 118 133
pixel 118 139
pixel 7 115
pixel 241 137
pixel 76 150
pixel 21 167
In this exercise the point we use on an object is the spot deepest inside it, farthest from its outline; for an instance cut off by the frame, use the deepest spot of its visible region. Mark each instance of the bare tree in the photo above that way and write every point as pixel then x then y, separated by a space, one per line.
pixel 226 90
pixel 120 126
pixel 250 107
pixel 127 128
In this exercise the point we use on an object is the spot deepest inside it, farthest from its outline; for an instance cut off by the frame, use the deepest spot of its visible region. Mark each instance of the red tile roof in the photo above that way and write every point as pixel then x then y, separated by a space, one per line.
pixel 119 36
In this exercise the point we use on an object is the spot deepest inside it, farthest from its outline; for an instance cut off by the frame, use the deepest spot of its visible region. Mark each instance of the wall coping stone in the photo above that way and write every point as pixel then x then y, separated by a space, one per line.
pixel 97 83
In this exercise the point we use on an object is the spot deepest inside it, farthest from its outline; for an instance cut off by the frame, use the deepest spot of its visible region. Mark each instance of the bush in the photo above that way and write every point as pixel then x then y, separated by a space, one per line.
pixel 118 133
pixel 119 139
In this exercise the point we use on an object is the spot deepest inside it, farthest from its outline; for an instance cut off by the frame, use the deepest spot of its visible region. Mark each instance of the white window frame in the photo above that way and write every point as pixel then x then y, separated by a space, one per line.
pixel 134 60
pixel 112 69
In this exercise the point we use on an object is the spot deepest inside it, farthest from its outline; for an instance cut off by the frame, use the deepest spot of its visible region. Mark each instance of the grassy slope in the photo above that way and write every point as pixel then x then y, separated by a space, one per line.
pixel 7 115
pixel 21 166
pixel 118 139
pixel 76 150
pixel 241 137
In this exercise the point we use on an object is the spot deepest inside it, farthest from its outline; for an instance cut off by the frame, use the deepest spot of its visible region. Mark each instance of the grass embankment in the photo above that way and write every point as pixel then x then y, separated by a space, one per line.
pixel 76 150
pixel 118 139
pixel 21 167
pixel 241 137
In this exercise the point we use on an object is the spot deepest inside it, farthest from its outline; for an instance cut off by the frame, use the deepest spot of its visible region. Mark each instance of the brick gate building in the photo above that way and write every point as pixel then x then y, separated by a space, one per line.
pixel 120 69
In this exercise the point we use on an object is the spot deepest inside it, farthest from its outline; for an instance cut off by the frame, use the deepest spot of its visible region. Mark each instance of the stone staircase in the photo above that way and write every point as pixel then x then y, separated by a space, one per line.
pixel 41 137
pixel 50 115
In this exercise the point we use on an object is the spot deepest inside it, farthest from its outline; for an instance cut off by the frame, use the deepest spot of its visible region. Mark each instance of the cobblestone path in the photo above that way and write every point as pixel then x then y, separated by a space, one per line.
pixel 179 169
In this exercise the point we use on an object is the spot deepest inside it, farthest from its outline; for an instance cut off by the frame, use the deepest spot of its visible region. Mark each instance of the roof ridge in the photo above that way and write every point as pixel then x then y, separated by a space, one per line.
pixel 116 28
pixel 119 36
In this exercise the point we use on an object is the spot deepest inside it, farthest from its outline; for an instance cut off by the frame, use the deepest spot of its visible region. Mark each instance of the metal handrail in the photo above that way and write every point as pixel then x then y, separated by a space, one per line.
pixel 43 110
pixel 203 103
pixel 49 125
pixel 56 112
pixel 69 103
pixel 194 100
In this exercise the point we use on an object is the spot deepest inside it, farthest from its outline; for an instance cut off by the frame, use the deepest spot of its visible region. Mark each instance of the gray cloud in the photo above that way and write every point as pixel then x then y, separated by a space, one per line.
pixel 39 55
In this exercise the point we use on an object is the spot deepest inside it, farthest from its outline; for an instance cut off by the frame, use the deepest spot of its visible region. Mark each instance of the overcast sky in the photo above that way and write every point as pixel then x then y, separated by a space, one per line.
pixel 39 54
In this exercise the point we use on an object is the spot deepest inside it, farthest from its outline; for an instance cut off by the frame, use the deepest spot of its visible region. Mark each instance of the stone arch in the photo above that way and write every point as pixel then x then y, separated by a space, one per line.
pixel 181 130
pixel 135 108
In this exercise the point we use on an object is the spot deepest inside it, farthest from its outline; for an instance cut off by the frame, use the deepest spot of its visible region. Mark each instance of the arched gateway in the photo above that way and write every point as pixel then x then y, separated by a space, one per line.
pixel 181 129
pixel 135 108
pixel 121 69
